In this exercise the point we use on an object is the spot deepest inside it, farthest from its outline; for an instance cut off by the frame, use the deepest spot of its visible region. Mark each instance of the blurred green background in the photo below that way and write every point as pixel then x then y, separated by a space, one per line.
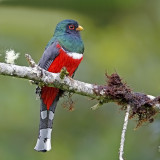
pixel 119 35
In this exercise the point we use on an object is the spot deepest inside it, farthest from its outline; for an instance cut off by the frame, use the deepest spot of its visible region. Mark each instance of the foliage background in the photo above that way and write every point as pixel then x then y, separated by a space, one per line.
pixel 120 36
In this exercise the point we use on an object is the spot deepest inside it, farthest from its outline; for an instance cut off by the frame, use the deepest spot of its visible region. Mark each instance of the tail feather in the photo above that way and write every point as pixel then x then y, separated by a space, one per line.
pixel 48 95
pixel 44 140
pixel 45 128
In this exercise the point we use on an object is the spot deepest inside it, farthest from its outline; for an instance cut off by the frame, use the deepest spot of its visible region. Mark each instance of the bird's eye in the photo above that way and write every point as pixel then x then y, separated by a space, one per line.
pixel 71 27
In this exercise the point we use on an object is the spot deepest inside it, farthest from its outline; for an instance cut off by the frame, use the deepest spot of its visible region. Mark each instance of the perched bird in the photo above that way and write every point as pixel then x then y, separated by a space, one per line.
pixel 65 49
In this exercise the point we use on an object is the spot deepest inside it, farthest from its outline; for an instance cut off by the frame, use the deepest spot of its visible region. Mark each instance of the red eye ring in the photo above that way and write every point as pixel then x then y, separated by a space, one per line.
pixel 71 27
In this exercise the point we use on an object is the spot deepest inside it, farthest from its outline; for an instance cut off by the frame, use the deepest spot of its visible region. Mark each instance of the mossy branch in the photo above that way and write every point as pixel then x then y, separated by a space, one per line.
pixel 139 105
pixel 143 106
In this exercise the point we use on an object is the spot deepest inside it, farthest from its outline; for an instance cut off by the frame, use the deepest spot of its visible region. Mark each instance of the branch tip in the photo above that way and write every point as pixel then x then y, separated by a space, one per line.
pixel 96 106
pixel 30 61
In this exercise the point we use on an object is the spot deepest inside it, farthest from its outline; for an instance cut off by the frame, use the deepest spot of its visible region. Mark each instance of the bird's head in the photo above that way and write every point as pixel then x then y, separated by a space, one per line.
pixel 67 26
pixel 68 36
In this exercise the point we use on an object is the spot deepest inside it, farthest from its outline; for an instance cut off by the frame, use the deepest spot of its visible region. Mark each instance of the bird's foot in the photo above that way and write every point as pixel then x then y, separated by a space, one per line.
pixel 63 73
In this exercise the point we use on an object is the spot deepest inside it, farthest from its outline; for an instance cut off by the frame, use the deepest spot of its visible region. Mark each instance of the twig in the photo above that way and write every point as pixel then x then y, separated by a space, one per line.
pixel 96 106
pixel 30 61
pixel 121 149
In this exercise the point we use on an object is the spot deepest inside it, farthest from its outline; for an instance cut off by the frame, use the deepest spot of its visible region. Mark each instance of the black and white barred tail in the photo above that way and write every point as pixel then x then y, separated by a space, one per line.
pixel 45 128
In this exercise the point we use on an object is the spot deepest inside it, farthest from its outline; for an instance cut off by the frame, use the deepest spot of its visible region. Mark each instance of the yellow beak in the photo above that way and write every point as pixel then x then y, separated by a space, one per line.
pixel 80 28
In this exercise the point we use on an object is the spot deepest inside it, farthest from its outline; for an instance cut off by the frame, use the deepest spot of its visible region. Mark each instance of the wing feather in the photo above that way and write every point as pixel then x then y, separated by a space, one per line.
pixel 49 55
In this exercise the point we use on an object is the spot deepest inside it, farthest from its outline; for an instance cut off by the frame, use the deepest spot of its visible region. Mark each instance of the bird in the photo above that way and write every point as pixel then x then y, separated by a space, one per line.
pixel 65 49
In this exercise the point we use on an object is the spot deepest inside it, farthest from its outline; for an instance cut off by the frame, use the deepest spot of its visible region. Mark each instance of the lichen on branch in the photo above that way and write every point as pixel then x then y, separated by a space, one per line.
pixel 115 90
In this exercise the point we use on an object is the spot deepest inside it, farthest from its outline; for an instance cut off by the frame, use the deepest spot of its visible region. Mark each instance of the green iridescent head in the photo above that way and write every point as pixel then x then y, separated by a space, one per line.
pixel 67 26
pixel 67 34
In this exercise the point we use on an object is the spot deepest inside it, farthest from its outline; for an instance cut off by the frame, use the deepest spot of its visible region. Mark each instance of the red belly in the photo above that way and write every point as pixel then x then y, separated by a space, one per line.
pixel 48 94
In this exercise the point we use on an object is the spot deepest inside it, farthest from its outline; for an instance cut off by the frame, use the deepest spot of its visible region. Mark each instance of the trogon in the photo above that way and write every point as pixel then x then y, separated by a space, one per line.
pixel 65 49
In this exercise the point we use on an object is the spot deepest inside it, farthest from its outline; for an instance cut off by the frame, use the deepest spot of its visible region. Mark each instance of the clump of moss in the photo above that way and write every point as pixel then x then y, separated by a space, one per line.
pixel 142 107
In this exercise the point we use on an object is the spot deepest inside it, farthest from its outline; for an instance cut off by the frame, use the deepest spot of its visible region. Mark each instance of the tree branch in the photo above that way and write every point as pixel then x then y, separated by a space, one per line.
pixel 44 77
pixel 143 106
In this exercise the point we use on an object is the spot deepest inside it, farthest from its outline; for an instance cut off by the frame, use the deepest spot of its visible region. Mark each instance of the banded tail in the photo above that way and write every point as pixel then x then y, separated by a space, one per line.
pixel 45 127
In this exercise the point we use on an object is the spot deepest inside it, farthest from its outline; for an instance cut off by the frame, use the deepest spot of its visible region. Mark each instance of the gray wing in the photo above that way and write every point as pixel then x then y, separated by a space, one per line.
pixel 49 55
pixel 74 72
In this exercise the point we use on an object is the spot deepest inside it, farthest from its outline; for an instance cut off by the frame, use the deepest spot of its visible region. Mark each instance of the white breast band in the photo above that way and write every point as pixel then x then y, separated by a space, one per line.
pixel 75 55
